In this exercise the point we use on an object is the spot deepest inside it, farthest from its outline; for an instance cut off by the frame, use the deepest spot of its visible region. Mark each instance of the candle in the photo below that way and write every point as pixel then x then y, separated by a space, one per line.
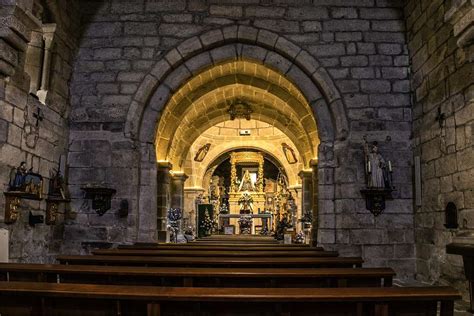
pixel 389 166
pixel 369 170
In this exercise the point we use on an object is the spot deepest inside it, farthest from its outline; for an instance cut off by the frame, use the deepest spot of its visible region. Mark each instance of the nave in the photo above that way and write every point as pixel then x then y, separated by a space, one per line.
pixel 219 276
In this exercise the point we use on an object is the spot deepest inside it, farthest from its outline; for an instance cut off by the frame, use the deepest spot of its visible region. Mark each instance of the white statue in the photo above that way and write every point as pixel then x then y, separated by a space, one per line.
pixel 246 184
pixel 375 166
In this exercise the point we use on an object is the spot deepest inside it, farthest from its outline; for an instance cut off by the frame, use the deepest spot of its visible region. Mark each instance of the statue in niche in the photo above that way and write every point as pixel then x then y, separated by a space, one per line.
pixel 377 169
pixel 17 177
pixel 202 152
pixel 246 184
pixel 289 153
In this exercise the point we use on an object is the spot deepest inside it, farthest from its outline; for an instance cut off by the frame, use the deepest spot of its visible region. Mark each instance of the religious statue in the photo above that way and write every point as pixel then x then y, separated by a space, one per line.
pixel 57 186
pixel 202 152
pixel 17 178
pixel 246 203
pixel 246 184
pixel 289 153
pixel 377 169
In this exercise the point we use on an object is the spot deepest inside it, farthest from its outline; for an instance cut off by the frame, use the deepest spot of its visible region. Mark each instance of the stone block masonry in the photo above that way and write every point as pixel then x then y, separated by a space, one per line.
pixel 361 46
pixel 18 101
pixel 443 121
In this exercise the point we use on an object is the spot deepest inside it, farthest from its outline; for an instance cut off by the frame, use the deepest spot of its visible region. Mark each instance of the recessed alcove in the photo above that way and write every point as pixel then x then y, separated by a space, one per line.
pixel 451 216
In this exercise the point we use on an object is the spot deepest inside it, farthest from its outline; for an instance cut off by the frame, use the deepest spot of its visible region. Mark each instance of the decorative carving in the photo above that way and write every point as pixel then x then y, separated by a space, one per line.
pixel 246 157
pixel 239 109
pixel 202 152
pixel 12 203
pixel 52 208
pixel 101 198
pixel 289 153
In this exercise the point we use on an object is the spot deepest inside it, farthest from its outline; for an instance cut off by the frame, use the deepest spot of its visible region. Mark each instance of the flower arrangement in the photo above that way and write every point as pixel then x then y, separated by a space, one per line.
pixel 307 216
pixel 174 216
pixel 245 222
pixel 299 238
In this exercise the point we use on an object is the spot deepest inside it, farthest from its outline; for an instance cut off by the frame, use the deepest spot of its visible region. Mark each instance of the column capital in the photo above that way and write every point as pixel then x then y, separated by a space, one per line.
pixel 305 173
pixel 164 165
pixel 178 175
pixel 314 162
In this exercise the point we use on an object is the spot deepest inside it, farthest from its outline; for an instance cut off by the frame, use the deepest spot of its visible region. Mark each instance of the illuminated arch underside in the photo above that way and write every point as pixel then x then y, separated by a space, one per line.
pixel 203 102
pixel 224 144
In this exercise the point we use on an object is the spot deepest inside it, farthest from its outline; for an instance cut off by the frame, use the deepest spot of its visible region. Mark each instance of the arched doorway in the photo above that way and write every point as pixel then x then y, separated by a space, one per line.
pixel 192 87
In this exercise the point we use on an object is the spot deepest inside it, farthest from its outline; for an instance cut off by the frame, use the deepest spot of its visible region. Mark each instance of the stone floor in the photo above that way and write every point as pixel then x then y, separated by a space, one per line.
pixel 460 307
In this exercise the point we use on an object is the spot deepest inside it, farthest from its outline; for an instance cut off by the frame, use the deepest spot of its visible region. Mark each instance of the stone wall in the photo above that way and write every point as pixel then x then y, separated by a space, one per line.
pixel 442 88
pixel 360 46
pixel 21 139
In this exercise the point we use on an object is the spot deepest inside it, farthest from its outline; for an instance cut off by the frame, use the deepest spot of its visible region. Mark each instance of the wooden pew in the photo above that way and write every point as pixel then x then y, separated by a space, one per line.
pixel 175 276
pixel 218 247
pixel 262 262
pixel 213 253
pixel 28 299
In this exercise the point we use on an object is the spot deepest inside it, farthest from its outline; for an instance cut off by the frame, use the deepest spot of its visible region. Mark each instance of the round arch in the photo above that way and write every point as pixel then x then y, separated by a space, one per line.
pixel 210 49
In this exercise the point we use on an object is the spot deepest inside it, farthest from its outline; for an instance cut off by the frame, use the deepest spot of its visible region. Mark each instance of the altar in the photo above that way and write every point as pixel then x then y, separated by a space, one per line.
pixel 266 221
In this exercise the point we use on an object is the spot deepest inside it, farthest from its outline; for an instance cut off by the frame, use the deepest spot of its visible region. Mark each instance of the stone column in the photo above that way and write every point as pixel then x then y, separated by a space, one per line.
pixel 315 202
pixel 163 181
pixel 177 189
pixel 233 173
pixel 307 190
pixel 48 37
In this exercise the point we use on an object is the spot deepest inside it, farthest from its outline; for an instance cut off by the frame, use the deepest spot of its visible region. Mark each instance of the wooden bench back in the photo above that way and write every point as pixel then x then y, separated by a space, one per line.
pixel 277 262
pixel 213 253
pixel 27 299
pixel 176 276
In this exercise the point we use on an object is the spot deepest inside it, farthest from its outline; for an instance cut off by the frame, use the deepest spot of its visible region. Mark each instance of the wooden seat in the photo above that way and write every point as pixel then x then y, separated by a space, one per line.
pixel 26 298
pixel 175 276
pixel 277 262
pixel 213 253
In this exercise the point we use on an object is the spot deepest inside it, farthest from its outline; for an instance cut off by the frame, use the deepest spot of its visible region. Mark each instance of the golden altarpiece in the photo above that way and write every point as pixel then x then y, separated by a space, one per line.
pixel 246 192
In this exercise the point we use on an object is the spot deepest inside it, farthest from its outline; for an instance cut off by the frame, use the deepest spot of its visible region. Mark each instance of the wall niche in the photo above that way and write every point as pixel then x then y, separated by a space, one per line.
pixel 451 216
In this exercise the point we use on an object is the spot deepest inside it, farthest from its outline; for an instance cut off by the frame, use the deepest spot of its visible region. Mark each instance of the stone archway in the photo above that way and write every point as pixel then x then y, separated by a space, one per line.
pixel 211 48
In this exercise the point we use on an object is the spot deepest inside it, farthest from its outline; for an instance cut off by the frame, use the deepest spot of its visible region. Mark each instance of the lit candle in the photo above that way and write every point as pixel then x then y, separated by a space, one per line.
pixel 389 166
pixel 369 170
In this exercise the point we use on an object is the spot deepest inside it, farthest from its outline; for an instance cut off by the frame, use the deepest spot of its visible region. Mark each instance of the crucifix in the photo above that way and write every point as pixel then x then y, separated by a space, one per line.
pixel 38 115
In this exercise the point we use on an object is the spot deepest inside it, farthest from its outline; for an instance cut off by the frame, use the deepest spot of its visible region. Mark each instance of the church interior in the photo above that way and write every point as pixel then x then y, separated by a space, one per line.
pixel 303 157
